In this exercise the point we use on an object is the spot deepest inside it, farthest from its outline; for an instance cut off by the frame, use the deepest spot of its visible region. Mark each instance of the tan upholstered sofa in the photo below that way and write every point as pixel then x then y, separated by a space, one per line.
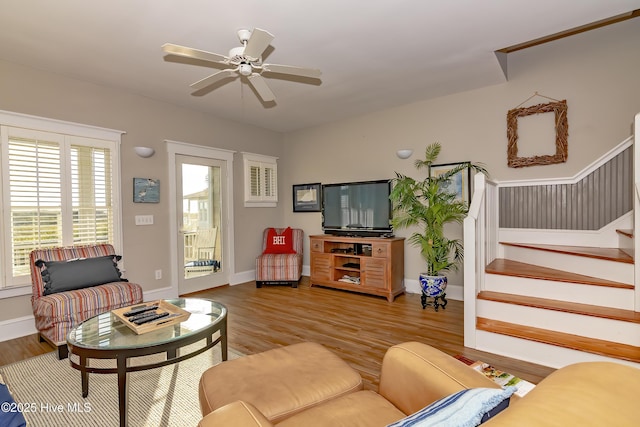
pixel 413 376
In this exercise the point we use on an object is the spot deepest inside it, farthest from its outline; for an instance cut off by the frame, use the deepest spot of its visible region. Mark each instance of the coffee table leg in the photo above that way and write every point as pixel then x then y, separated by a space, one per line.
pixel 223 339
pixel 123 396
pixel 84 376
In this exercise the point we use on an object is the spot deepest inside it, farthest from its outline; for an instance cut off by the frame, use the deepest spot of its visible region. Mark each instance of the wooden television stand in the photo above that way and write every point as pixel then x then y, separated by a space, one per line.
pixel 370 265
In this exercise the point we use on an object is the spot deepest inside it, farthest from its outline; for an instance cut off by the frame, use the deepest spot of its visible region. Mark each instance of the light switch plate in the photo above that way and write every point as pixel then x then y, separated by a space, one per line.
pixel 144 219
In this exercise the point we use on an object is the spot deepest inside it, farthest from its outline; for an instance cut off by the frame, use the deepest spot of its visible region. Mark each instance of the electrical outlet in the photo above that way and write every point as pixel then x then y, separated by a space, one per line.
pixel 158 274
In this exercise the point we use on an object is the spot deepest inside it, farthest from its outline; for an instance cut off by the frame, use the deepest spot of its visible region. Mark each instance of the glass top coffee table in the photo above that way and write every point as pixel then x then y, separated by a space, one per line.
pixel 106 337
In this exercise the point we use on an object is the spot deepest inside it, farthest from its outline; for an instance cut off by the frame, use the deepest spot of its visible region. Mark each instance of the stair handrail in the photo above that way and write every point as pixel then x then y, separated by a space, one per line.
pixel 480 234
pixel 606 157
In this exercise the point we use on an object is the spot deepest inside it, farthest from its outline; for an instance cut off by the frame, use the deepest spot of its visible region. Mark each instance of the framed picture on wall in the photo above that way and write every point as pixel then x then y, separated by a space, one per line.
pixel 307 197
pixel 459 183
pixel 146 190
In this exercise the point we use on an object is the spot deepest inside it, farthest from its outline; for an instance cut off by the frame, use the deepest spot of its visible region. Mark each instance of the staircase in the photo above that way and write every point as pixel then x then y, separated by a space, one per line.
pixel 552 304
pixel 551 297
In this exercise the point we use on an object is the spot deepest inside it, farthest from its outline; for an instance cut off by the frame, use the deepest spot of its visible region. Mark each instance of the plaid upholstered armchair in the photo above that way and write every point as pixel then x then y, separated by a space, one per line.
pixel 71 284
pixel 281 258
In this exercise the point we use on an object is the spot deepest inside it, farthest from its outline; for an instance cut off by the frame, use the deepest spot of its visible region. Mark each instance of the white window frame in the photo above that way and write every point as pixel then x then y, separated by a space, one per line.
pixel 264 163
pixel 21 285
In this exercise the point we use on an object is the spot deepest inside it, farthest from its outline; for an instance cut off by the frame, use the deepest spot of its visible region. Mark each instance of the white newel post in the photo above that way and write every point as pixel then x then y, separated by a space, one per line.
pixel 474 230
pixel 636 208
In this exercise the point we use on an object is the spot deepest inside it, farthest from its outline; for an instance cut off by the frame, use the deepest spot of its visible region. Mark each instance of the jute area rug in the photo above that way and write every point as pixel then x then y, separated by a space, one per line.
pixel 50 392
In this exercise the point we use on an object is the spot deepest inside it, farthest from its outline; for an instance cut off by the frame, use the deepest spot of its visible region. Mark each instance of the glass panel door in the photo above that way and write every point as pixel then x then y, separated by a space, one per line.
pixel 201 217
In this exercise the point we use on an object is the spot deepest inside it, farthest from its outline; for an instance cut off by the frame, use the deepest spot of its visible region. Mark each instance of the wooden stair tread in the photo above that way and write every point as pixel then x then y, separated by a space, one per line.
pixel 610 254
pixel 575 342
pixel 509 267
pixel 564 306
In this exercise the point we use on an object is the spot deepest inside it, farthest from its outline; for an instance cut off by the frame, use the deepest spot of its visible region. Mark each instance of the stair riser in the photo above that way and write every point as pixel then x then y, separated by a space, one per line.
pixel 539 353
pixel 606 237
pixel 570 323
pixel 572 292
pixel 626 244
pixel 610 270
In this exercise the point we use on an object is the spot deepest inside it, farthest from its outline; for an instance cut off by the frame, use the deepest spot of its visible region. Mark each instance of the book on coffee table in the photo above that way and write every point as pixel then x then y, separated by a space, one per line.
pixel 503 379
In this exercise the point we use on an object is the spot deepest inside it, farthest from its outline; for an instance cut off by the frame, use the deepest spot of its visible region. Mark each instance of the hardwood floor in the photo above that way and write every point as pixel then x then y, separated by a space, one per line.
pixel 357 327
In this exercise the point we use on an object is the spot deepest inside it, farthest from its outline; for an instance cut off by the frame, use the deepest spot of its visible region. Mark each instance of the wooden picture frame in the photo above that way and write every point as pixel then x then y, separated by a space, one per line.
pixel 307 197
pixel 459 183
pixel 146 190
pixel 559 108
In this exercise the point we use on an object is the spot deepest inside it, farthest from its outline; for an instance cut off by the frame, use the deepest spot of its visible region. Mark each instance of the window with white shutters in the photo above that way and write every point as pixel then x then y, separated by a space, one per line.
pixel 261 180
pixel 57 190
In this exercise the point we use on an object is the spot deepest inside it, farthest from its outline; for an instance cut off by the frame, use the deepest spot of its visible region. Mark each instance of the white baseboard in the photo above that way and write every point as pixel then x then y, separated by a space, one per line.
pixel 242 277
pixel 18 327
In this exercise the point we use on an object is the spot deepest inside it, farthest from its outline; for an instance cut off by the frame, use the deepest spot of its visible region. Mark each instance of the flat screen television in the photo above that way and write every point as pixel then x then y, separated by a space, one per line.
pixel 360 209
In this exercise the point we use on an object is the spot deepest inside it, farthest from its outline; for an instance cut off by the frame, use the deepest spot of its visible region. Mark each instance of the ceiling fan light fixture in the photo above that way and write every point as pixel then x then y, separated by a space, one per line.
pixel 245 69
pixel 236 52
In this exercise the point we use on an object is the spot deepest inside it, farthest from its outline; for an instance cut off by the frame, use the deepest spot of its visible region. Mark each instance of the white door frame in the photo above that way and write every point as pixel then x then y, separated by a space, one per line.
pixel 174 148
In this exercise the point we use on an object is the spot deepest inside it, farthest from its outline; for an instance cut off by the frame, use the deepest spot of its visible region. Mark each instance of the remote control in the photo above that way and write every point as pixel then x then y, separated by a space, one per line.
pixel 139 309
pixel 144 315
pixel 151 318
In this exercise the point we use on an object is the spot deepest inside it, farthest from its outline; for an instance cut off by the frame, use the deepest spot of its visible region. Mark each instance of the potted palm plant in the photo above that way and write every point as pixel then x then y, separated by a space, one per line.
pixel 427 204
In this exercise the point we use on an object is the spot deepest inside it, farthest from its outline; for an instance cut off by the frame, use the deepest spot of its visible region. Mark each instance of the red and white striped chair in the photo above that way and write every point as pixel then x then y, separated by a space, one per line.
pixel 57 313
pixel 281 258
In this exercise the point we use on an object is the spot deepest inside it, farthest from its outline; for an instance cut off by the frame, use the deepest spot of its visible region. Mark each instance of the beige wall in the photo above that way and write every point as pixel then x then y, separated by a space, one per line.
pixel 146 122
pixel 596 72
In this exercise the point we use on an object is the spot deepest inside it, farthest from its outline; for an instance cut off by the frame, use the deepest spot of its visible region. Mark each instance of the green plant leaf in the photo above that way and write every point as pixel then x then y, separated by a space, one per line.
pixel 423 204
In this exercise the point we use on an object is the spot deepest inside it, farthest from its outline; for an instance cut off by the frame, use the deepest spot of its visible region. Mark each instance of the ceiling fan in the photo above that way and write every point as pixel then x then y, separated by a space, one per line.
pixel 243 61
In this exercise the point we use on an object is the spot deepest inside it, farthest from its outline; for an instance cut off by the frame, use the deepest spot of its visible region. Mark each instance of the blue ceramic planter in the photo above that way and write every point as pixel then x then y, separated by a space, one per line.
pixel 433 286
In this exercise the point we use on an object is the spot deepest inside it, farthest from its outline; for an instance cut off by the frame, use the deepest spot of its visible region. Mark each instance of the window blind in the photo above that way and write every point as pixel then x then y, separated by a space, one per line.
pixel 35 192
pixel 58 191
pixel 91 195
pixel 261 180
pixel 255 181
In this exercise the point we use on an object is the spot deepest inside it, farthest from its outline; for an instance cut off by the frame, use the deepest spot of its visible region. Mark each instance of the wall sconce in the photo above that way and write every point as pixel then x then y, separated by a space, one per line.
pixel 404 154
pixel 144 151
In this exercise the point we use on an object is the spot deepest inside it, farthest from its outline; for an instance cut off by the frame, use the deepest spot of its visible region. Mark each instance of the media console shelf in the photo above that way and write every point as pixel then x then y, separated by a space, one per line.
pixel 370 265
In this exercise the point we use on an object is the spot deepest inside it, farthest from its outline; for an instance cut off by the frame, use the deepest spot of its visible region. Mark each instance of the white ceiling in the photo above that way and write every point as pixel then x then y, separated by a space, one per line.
pixel 374 54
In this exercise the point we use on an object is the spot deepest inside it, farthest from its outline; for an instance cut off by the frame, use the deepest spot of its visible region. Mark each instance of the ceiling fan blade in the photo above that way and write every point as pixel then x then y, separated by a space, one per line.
pixel 258 42
pixel 208 81
pixel 295 71
pixel 187 52
pixel 260 85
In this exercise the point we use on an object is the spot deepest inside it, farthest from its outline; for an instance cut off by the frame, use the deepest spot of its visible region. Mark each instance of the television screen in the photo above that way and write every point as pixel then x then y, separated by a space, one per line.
pixel 358 208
